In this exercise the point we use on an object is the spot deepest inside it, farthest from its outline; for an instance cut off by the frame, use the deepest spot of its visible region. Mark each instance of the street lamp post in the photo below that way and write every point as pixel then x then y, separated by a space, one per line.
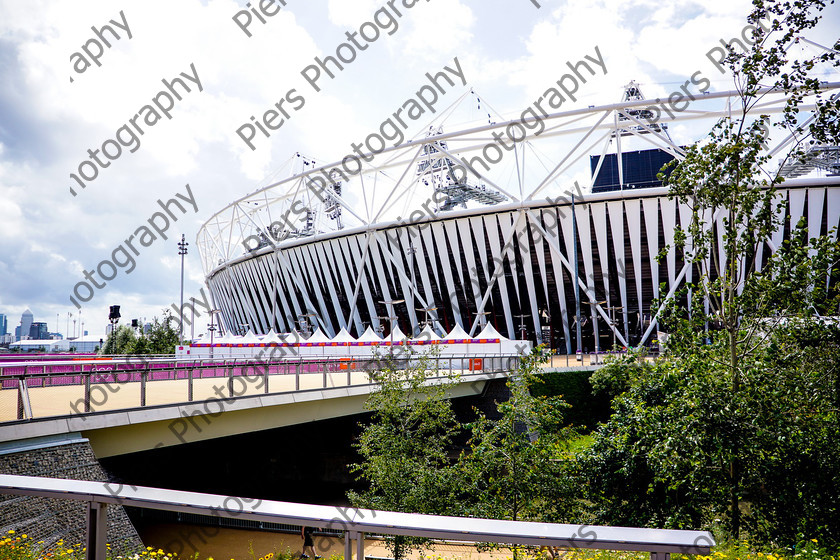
pixel 182 250
pixel 482 321
pixel 305 322
pixel 426 310
pixel 577 280
pixel 393 317
pixel 522 332
pixel 212 328
pixel 613 309
pixel 545 315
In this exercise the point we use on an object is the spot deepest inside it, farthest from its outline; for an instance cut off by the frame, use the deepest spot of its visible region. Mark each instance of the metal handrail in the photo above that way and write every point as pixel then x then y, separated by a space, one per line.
pixel 227 370
pixel 355 523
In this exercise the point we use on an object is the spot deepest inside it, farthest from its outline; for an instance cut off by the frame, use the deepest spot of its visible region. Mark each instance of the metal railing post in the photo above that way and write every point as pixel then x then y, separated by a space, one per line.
pixel 144 377
pixel 190 385
pixel 348 547
pixel 265 375
pixel 324 366
pixel 97 529
pixel 24 406
pixel 360 546
pixel 297 375
pixel 87 392
pixel 230 378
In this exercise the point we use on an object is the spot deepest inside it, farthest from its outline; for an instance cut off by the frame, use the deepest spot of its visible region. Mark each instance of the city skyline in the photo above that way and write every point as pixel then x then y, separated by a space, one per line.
pixel 45 331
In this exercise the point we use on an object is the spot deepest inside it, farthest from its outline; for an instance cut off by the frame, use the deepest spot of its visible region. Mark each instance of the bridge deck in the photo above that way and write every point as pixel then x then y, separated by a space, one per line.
pixel 69 388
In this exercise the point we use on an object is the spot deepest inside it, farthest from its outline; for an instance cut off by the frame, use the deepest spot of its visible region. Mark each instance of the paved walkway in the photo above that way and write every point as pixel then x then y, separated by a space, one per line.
pixel 223 544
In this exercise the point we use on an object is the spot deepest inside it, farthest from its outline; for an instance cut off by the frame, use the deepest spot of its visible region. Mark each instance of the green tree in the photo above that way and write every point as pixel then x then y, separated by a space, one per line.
pixel 120 341
pixel 407 446
pixel 794 482
pixel 517 465
pixel 161 339
pixel 663 458
pixel 726 176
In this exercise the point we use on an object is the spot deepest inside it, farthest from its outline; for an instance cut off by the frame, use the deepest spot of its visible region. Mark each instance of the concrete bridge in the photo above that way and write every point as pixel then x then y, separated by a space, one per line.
pixel 133 404
pixel 60 419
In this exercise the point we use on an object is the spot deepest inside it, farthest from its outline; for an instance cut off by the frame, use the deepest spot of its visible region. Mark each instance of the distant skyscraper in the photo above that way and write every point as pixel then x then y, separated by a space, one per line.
pixel 25 325
pixel 39 331
pixel 3 324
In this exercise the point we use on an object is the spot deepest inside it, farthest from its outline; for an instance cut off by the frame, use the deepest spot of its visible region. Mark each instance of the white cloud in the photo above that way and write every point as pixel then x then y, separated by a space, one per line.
pixel 351 13
pixel 438 32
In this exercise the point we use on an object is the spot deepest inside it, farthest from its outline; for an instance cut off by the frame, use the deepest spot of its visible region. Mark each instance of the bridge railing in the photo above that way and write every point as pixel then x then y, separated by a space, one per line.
pixel 42 390
pixel 354 523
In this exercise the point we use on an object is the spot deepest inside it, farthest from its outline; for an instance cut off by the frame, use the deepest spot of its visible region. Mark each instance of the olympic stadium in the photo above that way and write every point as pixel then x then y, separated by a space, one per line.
pixel 553 233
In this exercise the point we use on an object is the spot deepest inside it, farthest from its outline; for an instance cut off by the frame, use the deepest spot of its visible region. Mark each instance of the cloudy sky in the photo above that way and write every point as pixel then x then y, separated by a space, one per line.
pixel 56 103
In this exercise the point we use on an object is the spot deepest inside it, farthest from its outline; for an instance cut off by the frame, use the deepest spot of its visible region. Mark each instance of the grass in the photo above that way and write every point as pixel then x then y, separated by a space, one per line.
pixel 581 443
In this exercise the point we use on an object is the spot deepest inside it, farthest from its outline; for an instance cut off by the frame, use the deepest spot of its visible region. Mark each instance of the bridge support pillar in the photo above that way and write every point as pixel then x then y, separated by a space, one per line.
pixel 660 556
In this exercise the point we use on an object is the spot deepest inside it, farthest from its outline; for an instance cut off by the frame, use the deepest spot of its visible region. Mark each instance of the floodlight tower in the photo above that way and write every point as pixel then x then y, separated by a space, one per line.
pixel 113 317
pixel 182 250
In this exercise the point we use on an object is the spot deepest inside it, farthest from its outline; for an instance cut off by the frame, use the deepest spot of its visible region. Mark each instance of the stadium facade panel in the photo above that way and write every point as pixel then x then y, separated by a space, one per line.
pixel 513 265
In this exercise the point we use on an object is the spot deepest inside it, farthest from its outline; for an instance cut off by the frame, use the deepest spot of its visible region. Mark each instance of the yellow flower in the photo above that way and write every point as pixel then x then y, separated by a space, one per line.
pixel 11 531
pixel 812 540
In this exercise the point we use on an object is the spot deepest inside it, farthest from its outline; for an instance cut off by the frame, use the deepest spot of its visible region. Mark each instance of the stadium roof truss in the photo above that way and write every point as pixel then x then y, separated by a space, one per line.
pixel 398 187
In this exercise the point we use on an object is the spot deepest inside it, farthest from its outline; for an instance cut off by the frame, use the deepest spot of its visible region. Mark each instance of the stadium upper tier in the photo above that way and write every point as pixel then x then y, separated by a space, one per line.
pixel 495 223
